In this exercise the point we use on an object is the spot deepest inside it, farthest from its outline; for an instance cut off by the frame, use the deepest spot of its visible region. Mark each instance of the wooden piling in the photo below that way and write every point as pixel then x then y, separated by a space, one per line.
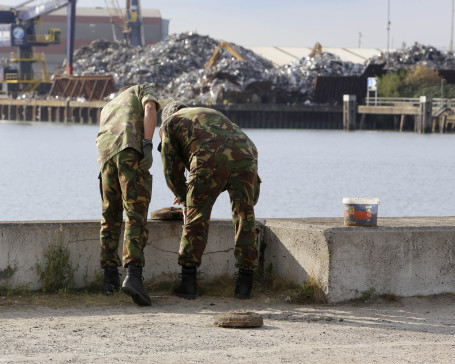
pixel 402 120
pixel 362 121
pixel 349 112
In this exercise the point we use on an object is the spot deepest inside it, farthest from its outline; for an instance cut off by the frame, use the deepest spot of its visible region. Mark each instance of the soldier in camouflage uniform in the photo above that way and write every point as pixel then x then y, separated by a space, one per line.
pixel 219 156
pixel 124 145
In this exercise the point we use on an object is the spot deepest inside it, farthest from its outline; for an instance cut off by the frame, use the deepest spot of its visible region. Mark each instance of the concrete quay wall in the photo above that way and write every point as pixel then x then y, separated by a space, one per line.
pixel 23 246
pixel 402 256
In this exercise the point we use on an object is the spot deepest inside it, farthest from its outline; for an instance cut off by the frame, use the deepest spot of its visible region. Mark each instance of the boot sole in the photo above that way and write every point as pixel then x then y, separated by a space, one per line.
pixel 137 299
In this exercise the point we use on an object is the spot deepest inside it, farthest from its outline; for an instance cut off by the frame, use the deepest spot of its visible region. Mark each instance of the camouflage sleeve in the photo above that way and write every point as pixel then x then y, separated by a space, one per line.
pixel 149 95
pixel 173 167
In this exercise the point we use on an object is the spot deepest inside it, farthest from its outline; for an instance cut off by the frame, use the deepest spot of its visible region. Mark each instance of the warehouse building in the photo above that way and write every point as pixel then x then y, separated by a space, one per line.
pixel 91 24
pixel 285 55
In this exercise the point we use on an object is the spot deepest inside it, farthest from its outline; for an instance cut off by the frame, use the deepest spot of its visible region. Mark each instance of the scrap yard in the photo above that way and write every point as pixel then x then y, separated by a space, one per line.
pixel 253 90
pixel 231 182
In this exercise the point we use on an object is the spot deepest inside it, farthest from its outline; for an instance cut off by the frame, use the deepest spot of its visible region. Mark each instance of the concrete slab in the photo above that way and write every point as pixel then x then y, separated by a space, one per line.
pixel 401 256
pixel 23 245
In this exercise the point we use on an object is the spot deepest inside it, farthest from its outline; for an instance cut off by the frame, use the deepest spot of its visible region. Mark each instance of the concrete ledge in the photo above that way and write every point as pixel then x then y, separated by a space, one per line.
pixel 23 244
pixel 402 256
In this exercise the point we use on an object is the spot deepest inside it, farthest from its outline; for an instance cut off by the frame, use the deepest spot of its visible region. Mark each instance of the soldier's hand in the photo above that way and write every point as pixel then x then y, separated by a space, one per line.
pixel 177 202
pixel 147 161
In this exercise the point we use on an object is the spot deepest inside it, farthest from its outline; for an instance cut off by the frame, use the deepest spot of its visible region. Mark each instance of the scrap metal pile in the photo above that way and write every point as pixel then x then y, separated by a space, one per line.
pixel 417 54
pixel 176 69
pixel 297 78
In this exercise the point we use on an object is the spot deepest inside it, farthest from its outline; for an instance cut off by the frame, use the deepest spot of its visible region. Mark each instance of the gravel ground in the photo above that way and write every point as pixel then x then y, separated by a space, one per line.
pixel 173 330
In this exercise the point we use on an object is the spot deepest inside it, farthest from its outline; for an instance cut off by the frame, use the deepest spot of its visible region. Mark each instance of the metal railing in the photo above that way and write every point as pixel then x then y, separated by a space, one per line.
pixel 40 38
pixel 15 77
pixel 27 56
pixel 390 101
pixel 438 103
pixel 26 78
pixel 441 103
pixel 19 77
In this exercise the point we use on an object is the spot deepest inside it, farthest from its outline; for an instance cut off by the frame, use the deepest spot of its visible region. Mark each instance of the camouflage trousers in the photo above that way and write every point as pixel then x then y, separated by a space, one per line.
pixel 124 187
pixel 206 181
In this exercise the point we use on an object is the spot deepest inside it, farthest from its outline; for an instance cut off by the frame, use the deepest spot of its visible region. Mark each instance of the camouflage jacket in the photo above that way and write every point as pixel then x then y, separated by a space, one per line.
pixel 122 122
pixel 199 133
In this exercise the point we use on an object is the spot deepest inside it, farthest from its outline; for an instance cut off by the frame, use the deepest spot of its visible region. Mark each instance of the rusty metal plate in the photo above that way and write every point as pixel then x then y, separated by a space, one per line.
pixel 91 87
pixel 238 319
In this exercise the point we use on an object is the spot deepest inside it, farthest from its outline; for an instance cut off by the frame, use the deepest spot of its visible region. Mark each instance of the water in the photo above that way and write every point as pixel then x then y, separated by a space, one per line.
pixel 49 172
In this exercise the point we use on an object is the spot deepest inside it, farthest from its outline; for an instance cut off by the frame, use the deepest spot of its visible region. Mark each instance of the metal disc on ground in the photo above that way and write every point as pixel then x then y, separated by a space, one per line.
pixel 167 213
pixel 239 319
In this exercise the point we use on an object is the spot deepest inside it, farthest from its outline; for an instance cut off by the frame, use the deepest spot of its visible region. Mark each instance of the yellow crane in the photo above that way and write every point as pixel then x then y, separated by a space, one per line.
pixel 117 17
pixel 317 49
pixel 129 21
pixel 216 54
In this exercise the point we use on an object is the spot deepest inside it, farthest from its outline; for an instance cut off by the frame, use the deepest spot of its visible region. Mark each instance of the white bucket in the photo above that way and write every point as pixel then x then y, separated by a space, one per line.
pixel 360 211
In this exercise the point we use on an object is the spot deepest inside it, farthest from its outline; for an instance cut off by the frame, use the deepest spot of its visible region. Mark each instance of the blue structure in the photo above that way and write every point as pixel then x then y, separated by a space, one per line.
pixel 17 29
pixel 134 20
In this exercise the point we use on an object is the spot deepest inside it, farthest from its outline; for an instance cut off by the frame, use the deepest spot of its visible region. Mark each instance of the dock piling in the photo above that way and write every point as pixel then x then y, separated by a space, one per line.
pixel 424 119
pixel 349 112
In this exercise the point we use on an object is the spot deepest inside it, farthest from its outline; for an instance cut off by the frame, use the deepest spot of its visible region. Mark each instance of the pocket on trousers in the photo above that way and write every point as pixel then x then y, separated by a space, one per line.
pixel 148 181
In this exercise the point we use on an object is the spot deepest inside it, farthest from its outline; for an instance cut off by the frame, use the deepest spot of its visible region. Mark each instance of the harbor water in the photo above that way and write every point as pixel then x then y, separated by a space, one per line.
pixel 49 172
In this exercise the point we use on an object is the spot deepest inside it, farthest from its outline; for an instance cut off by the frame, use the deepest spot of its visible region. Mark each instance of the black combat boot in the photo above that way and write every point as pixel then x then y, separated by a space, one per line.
pixel 111 282
pixel 187 287
pixel 244 284
pixel 133 286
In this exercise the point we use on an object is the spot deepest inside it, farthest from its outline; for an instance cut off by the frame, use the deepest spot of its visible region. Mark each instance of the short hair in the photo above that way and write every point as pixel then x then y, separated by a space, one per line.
pixel 171 108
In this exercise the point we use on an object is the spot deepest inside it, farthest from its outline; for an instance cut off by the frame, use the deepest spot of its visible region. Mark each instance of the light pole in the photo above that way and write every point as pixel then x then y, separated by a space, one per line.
pixel 451 32
pixel 388 31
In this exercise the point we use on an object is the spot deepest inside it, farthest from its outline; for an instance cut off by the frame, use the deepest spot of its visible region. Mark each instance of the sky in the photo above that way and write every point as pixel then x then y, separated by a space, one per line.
pixel 303 23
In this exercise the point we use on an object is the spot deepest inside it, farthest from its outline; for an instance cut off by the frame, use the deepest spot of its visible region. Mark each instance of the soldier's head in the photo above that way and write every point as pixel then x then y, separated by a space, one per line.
pixel 171 108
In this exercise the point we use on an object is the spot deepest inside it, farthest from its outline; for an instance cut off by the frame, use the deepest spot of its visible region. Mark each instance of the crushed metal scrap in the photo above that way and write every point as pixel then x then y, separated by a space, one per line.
pixel 176 68
pixel 414 55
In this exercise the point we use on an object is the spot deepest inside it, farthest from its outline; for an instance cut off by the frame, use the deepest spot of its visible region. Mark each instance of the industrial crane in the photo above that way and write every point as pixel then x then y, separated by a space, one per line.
pixel 317 49
pixel 17 29
pixel 130 22
pixel 216 54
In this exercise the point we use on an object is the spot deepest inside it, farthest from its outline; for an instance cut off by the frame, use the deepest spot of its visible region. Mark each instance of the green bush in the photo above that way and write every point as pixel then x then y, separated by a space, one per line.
pixel 390 84
pixel 58 273
pixel 418 81
pixel 309 292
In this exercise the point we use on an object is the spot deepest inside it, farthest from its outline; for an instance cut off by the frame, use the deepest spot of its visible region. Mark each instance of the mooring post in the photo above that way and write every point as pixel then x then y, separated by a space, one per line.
pixel 349 112
pixel 402 120
pixel 424 119
pixel 362 121
pixel 442 123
